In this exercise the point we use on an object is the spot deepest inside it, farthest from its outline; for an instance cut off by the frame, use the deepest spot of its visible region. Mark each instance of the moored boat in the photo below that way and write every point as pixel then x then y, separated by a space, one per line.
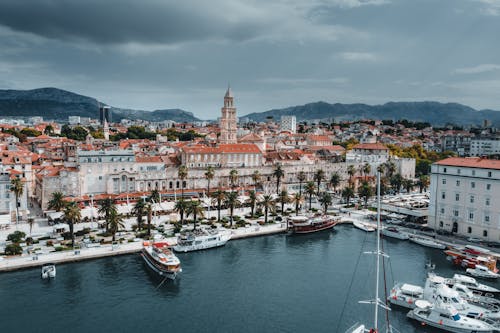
pixel 159 257
pixel 427 242
pixel 482 272
pixel 201 240
pixel 48 271
pixel 368 227
pixel 306 225
pixel 472 284
pixel 470 256
pixel 394 232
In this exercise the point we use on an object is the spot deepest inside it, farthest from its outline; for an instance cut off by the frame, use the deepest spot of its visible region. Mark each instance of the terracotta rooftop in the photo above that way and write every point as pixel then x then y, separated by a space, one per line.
pixel 471 162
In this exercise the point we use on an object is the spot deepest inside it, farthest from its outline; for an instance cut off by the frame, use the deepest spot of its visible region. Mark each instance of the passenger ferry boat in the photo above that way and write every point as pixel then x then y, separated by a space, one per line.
pixel 201 240
pixel 159 257
pixel 306 225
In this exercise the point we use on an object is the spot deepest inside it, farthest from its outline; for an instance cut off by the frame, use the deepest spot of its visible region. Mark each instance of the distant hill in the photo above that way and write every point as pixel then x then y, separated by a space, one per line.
pixel 438 114
pixel 57 104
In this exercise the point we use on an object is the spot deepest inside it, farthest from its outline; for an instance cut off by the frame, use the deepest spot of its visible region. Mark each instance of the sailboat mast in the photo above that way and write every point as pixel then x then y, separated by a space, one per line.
pixel 377 278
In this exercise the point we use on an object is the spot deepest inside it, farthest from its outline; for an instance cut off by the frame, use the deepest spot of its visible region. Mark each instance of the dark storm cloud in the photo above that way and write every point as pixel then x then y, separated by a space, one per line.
pixel 124 21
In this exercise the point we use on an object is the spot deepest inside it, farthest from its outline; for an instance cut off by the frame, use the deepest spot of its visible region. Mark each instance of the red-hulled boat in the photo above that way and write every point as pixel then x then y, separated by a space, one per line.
pixel 306 225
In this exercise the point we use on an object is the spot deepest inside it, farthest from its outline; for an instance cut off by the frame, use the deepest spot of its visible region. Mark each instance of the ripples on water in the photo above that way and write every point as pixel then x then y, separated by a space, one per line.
pixel 278 283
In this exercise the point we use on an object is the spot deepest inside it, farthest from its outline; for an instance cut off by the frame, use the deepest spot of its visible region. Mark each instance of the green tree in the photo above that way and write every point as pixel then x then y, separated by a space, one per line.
pixel 49 130
pixel 408 185
pixel 209 175
pixel 17 187
pixel 301 177
pixel 365 192
pixel 180 207
pixel 351 171
pixel 219 197
pixel 139 211
pixel 155 196
pixel 283 199
pixel 319 175
pixel 149 214
pixel 107 206
pixel 348 194
pixel 423 183
pixel 231 201
pixel 366 169
pixel 195 208
pixel 397 182
pixel 310 190
pixel 278 173
pixel 57 201
pixel 115 223
pixel 267 203
pixel 72 215
pixel 16 237
pixel 252 200
pixel 297 199
pixel 256 178
pixel 182 174
pixel 335 181
pixel 233 178
pixel 325 199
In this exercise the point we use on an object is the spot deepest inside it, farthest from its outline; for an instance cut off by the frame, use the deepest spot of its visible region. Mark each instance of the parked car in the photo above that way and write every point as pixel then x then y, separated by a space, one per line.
pixel 474 240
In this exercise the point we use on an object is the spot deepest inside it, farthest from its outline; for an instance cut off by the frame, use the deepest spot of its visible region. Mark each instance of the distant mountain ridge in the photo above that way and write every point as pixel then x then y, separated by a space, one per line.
pixel 438 114
pixel 58 104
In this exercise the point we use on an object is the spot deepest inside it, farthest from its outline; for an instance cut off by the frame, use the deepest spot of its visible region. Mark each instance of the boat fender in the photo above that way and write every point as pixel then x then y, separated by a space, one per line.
pixel 410 301
pixel 423 324
pixel 395 297
pixel 441 322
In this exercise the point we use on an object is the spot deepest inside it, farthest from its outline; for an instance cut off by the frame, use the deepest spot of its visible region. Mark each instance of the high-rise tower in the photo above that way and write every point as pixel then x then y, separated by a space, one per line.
pixel 228 119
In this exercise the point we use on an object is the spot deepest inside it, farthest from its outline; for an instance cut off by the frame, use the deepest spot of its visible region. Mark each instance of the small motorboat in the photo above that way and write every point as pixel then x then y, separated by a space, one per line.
pixel 427 242
pixel 48 271
pixel 482 272
pixel 394 232
pixel 472 284
pixel 368 227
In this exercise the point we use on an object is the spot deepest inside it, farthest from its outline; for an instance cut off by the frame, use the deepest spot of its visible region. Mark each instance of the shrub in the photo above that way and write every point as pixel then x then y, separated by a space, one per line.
pixel 29 240
pixel 82 232
pixel 50 243
pixel 240 223
pixel 59 248
pixel 213 218
pixel 16 236
pixel 13 249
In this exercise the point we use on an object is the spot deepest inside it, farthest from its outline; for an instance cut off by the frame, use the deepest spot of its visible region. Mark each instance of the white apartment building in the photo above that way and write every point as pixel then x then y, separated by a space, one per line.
pixel 465 197
pixel 485 146
pixel 289 124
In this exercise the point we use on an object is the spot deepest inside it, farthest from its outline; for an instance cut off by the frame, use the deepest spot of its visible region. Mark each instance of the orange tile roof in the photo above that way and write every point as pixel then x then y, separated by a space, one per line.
pixel 471 162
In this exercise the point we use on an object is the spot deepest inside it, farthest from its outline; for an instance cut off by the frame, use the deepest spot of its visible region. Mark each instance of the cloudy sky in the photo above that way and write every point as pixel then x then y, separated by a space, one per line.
pixel 153 54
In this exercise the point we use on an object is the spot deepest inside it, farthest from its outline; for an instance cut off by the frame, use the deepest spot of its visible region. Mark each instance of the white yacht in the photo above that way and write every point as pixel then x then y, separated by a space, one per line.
pixel 472 284
pixel 405 295
pixel 201 240
pixel 444 316
pixel 482 272
pixel 159 257
pixel 424 241
pixel 365 226
pixel 394 232
pixel 48 271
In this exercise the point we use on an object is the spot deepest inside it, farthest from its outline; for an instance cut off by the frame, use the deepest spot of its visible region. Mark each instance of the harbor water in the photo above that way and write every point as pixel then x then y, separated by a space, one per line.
pixel 280 283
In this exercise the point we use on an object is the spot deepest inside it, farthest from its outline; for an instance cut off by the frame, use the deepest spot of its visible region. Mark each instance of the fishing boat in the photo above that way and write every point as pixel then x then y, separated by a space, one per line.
pixel 424 241
pixel 472 284
pixel 368 227
pixel 307 225
pixel 482 272
pixel 48 271
pixel 201 240
pixel 447 318
pixel 394 232
pixel 159 257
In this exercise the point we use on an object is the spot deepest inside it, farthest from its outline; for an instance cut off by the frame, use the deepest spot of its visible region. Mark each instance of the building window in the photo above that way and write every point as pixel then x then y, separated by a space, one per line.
pixel 473 184
pixel 443 195
pixel 444 181
pixel 441 224
pixel 486 218
pixel 444 170
pixel 455 213
pixel 458 182
pixel 488 186
pixel 485 233
pixel 469 230
pixel 442 210
pixel 487 201
pixel 471 216
pixel 457 197
pixel 473 172
pixel 458 171
pixel 100 177
pixel 471 199
pixel 489 173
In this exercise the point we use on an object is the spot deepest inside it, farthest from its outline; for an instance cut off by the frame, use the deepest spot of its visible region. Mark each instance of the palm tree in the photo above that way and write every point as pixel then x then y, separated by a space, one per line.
pixel 408 184
pixel 267 203
pixel 423 183
pixel 231 201
pixel 107 206
pixel 390 167
pixel 310 189
pixel 72 215
pixel 139 210
pixel 252 200
pixel 219 197
pixel 283 198
pixel 278 173
pixel 209 175
pixel 347 194
pixel 301 177
pixel 335 181
pixel 365 192
pixel 297 199
pixel 196 209
pixel 182 174
pixel 17 187
pixel 233 178
pixel 57 202
pixel 155 196
pixel 149 212
pixel 351 171
pixel 180 207
pixel 325 199
pixel 256 178
pixel 115 223
pixel 319 175
pixel 397 182
pixel 366 169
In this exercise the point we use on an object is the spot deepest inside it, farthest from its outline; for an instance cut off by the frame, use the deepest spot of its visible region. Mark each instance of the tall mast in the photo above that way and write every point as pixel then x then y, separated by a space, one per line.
pixel 375 324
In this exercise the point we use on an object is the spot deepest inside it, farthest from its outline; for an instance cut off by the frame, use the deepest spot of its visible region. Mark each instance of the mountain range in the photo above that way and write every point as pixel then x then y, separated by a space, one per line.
pixel 57 104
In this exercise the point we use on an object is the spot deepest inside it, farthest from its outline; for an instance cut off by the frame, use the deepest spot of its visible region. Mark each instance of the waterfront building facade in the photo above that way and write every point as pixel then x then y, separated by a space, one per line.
pixel 465 197
pixel 228 120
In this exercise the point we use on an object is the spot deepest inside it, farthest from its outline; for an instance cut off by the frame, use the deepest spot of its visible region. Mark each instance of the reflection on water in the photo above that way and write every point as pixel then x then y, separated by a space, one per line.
pixel 277 283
